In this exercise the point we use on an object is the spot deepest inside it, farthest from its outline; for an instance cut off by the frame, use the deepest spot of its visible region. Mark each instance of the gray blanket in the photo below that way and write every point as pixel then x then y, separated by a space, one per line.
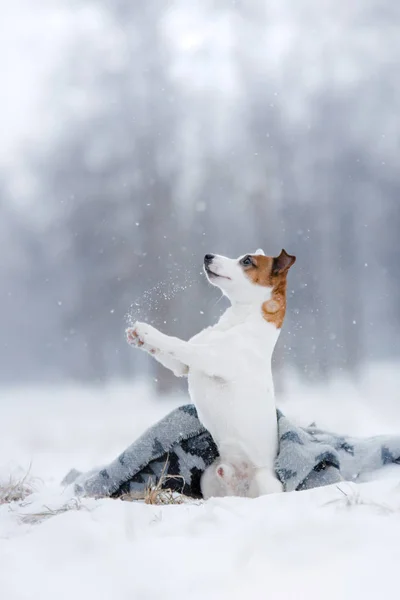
pixel 179 447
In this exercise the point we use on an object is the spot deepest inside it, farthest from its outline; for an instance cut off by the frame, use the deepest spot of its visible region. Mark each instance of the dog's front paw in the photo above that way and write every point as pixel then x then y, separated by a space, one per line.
pixel 132 337
pixel 138 335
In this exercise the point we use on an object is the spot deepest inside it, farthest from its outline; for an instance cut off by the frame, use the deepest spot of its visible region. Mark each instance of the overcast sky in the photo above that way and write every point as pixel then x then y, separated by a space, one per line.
pixel 32 35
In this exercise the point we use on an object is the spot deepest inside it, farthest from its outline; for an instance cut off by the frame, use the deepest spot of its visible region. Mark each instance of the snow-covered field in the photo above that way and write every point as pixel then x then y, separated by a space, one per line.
pixel 325 543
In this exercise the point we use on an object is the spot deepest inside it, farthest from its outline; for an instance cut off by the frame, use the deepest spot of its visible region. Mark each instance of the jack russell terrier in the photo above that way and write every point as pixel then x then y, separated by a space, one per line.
pixel 229 371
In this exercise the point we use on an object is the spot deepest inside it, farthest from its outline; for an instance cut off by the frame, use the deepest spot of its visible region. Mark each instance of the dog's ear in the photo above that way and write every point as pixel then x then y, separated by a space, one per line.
pixel 282 263
pixel 259 252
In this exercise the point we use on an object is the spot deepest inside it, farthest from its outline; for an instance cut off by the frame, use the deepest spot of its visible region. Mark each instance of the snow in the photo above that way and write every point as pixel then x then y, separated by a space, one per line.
pixel 333 542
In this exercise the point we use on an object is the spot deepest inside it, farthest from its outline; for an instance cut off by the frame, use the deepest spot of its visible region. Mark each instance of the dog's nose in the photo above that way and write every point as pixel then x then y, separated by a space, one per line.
pixel 208 259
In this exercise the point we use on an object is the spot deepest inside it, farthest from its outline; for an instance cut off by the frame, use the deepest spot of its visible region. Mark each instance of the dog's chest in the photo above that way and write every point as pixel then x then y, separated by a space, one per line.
pixel 214 398
pixel 237 410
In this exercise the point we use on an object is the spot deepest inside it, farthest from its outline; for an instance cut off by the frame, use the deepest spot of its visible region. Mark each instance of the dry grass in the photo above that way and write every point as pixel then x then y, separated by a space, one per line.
pixel 39 517
pixel 16 490
pixel 354 498
pixel 156 494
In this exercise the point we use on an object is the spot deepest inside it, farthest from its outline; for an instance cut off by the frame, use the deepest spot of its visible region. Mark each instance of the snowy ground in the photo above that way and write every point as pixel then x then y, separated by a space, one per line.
pixel 325 543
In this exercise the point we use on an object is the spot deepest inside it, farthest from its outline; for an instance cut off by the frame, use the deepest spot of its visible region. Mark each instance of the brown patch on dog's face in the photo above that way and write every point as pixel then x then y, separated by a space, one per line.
pixel 269 271
pixel 258 269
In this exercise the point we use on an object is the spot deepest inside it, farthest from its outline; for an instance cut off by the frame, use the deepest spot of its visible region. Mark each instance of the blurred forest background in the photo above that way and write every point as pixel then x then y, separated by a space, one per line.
pixel 139 135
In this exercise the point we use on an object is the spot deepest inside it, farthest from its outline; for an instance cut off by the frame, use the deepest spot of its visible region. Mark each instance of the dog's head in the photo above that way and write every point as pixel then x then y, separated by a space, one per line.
pixel 252 278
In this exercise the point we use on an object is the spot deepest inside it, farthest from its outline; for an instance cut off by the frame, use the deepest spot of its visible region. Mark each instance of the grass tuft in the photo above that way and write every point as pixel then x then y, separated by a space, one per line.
pixel 354 498
pixel 16 490
pixel 154 493
pixel 43 515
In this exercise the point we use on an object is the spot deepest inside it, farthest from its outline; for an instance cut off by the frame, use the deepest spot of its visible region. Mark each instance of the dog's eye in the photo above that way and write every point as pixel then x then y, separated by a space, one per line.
pixel 246 261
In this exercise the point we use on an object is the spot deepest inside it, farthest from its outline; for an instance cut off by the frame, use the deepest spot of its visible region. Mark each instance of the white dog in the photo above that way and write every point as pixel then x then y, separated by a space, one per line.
pixel 229 370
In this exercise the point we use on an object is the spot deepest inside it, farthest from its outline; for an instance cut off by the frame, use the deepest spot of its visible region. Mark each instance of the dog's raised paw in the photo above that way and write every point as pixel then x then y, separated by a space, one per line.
pixel 138 336
pixel 133 336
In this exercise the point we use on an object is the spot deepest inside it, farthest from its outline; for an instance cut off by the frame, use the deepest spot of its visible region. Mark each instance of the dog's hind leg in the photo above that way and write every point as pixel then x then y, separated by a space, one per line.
pixel 267 482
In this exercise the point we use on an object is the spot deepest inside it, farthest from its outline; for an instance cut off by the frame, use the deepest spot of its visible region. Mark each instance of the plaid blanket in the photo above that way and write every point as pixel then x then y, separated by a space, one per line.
pixel 179 447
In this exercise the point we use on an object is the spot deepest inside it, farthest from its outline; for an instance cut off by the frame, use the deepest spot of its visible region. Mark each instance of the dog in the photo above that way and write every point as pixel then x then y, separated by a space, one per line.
pixel 235 478
pixel 229 370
